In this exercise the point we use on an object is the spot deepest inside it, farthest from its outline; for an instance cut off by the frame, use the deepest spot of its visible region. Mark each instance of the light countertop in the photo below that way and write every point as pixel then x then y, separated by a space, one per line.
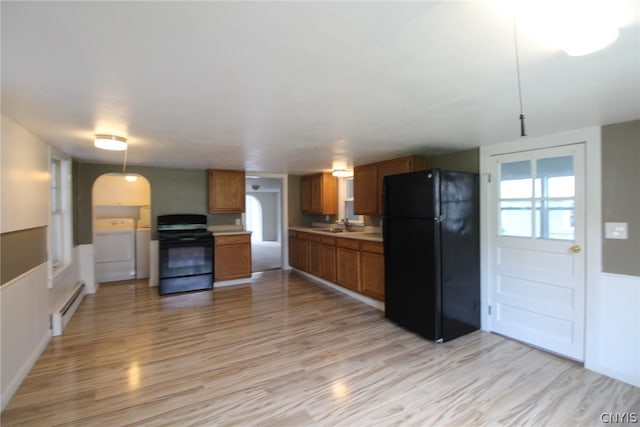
pixel 358 235
pixel 226 230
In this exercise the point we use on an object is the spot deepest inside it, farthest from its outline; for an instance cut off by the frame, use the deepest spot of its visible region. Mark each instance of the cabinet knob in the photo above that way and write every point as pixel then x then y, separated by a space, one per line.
pixel 576 249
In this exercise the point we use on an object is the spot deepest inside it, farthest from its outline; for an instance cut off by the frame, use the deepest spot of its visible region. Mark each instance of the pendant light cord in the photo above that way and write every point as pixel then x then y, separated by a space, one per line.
pixel 124 163
pixel 515 42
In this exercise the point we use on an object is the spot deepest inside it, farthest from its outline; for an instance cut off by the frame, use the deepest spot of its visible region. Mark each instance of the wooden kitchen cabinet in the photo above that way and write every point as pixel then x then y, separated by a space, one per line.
pixel 367 182
pixel 226 191
pixel 372 269
pixel 232 256
pixel 348 264
pixel 302 251
pixel 355 264
pixel 314 255
pixel 319 194
pixel 305 194
pixel 293 249
pixel 328 253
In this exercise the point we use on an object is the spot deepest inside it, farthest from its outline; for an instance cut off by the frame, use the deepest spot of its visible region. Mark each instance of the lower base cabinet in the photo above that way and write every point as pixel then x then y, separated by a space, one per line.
pixel 372 270
pixel 232 256
pixel 314 255
pixel 357 265
pixel 328 264
pixel 348 264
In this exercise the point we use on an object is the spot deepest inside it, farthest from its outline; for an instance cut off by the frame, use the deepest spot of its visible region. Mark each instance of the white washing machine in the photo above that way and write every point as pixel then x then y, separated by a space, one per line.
pixel 115 249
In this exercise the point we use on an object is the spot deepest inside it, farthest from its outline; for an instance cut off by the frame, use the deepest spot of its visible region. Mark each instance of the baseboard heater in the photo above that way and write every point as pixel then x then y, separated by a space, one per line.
pixel 65 310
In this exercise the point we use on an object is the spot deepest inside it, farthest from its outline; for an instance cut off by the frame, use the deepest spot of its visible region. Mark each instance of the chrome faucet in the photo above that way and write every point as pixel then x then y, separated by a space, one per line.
pixel 347 224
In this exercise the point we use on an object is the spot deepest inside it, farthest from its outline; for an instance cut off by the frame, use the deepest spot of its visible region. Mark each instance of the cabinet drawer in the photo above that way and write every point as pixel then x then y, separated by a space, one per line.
pixel 330 241
pixel 315 238
pixel 348 243
pixel 232 240
pixel 374 247
pixel 293 234
pixel 303 236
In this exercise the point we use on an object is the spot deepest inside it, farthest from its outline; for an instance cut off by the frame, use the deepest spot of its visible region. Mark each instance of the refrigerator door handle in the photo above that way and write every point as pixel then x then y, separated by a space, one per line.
pixel 439 218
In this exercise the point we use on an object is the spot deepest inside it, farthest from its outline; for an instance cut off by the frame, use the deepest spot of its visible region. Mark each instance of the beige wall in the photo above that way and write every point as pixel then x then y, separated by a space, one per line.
pixel 26 300
pixel 621 195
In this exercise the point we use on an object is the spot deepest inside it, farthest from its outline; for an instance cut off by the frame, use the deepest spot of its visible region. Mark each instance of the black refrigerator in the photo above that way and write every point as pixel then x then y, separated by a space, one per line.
pixel 431 240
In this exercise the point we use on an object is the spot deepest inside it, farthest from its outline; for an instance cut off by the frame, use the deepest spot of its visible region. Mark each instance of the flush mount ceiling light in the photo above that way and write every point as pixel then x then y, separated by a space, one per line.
pixel 131 178
pixel 576 26
pixel 110 142
pixel 342 173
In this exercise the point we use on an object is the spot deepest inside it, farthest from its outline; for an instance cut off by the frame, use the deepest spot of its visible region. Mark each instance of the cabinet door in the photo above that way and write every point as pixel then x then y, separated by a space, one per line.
pixel 302 261
pixel 316 194
pixel 329 194
pixel 348 268
pixel 314 255
pixel 226 191
pixel 305 195
pixel 372 274
pixel 293 251
pixel 328 267
pixel 232 257
pixel 365 190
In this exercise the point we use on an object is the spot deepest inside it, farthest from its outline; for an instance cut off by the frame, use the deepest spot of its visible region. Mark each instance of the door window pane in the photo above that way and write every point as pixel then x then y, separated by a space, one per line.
pixel 556 177
pixel 515 218
pixel 559 215
pixel 515 180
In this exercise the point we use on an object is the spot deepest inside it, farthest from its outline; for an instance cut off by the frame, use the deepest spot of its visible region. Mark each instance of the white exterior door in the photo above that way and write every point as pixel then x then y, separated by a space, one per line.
pixel 537 253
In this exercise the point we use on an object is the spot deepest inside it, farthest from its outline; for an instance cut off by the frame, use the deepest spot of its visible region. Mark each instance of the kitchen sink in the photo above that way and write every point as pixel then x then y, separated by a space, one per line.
pixel 334 230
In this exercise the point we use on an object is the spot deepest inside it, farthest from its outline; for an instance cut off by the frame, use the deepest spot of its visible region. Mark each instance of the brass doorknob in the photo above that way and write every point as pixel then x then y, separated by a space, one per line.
pixel 576 249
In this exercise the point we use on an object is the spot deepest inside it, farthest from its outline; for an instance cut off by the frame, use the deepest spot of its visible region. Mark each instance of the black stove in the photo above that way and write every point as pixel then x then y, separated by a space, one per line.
pixel 186 253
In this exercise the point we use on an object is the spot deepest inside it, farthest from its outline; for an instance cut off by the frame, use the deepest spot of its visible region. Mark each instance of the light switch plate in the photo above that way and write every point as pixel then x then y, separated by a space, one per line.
pixel 615 230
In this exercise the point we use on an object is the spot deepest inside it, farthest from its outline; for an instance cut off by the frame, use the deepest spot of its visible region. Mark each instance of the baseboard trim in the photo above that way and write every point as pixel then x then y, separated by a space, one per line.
pixel 369 301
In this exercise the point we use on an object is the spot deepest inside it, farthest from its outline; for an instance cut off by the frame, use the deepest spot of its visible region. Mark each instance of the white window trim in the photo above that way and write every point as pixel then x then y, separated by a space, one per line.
pixel 342 193
pixel 67 217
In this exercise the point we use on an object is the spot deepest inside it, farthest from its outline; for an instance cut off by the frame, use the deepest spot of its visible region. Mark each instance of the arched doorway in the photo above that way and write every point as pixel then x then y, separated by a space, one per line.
pixel 266 223
pixel 121 227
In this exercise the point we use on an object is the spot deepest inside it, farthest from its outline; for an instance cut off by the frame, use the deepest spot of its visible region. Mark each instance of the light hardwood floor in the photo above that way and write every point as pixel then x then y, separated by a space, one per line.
pixel 285 351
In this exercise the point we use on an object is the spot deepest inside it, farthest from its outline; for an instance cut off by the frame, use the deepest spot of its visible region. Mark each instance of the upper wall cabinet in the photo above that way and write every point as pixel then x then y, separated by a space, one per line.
pixel 226 191
pixel 319 194
pixel 367 182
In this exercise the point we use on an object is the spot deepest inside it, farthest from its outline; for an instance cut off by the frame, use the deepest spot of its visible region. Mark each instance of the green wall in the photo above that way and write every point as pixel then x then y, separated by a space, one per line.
pixel 460 161
pixel 172 191
pixel 621 195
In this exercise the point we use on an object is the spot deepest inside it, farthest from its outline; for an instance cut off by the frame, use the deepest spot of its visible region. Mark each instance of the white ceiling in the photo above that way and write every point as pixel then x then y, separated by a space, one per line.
pixel 296 87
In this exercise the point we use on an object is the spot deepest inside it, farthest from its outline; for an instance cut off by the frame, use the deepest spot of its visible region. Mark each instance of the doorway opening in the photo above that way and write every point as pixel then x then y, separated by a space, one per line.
pixel 121 227
pixel 264 220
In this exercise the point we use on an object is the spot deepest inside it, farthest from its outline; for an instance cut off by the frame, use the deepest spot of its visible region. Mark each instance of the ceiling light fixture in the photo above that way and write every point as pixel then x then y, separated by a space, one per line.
pixel 110 142
pixel 342 173
pixel 131 178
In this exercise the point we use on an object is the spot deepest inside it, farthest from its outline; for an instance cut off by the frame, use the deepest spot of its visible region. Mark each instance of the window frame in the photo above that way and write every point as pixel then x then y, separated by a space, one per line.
pixel 60 190
pixel 343 199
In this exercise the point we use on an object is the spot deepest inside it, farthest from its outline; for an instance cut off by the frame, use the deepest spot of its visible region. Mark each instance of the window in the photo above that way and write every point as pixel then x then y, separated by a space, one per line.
pixel 542 208
pixel 60 232
pixel 345 209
